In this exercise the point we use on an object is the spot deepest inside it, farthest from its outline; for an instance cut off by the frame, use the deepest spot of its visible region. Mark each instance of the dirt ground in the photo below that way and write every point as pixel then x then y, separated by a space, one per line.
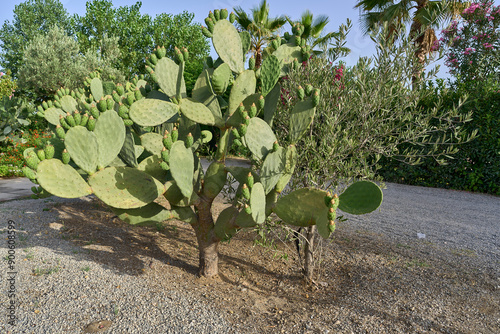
pixel 364 284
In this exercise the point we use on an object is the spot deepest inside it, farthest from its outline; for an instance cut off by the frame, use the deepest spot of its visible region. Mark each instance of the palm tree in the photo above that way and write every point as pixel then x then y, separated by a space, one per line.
pixel 261 27
pixel 423 16
pixel 313 27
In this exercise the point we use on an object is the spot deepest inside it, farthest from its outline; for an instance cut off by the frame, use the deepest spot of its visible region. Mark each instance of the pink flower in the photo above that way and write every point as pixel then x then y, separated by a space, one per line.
pixel 488 45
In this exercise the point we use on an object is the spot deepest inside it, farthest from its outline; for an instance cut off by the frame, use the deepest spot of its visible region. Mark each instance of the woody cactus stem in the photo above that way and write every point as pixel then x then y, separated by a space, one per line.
pixel 208 242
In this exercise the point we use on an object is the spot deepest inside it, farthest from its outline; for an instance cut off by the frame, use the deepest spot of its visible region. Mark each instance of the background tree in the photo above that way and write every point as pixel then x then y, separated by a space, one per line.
pixel 260 26
pixel 53 60
pixel 7 84
pixel 31 18
pixel 423 15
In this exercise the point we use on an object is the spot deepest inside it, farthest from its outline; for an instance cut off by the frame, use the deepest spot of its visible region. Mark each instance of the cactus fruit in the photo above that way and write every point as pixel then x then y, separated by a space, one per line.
pixel 175 134
pixel 165 155
pixel 250 180
pixel 251 63
pixel 91 123
pixel 232 17
pixel 77 117
pixel 189 140
pixel 29 173
pixel 49 151
pixel 60 132
pixel 65 157
pixel 40 154
pixel 223 14
pixel 308 89
pixel 84 119
pixel 32 161
pixel 253 111
pixel 206 32
pixel 245 192
pixel 300 93
pixel 315 97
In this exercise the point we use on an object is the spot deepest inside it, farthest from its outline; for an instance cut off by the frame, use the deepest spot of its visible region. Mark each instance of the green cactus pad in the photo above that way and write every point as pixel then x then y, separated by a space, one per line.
pixel 182 167
pixel 224 226
pixel 61 180
pixel 302 207
pixel 290 162
pixel 227 44
pixel 272 99
pixel 96 89
pixel 244 220
pixel 197 112
pixel 127 153
pixel 125 187
pixel 258 203
pixel 272 169
pixel 151 165
pixel 301 118
pixel 269 73
pixel 241 174
pixel 151 112
pixel 287 53
pixel 82 146
pixel 52 115
pixel 202 90
pixel 167 72
pixel 68 104
pixel 175 197
pixel 243 86
pixel 361 197
pixel 259 137
pixel 246 42
pixel 215 179
pixel 110 133
pixel 185 214
pixel 221 78
pixel 152 213
pixel 152 142
pixel 322 223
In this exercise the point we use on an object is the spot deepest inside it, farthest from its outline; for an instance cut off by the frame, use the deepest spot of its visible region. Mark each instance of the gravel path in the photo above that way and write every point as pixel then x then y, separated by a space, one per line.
pixel 60 290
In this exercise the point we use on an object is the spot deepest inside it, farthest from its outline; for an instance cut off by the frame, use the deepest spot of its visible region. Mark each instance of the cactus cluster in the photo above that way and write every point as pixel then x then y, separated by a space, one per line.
pixel 141 142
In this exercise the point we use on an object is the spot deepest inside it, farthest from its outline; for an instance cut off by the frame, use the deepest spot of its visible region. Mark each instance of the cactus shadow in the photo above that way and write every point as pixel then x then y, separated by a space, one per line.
pixel 130 250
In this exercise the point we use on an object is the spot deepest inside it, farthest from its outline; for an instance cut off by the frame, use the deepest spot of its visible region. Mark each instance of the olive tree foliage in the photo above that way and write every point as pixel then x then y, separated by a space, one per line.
pixel 368 111
pixel 54 60
pixel 31 18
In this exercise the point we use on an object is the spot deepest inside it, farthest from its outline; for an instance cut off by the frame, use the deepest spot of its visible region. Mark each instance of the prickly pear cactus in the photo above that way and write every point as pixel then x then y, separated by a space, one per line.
pixel 140 143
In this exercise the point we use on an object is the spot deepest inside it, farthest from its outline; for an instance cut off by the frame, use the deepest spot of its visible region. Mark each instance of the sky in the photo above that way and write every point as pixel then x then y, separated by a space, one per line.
pixel 337 11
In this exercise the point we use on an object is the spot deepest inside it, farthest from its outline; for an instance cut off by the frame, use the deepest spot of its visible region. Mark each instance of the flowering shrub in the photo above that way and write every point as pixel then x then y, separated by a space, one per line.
pixel 474 54
pixel 11 154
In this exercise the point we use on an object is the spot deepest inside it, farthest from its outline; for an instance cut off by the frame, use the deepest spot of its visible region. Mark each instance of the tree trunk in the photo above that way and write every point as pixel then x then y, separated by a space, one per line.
pixel 207 240
pixel 309 253
pixel 258 58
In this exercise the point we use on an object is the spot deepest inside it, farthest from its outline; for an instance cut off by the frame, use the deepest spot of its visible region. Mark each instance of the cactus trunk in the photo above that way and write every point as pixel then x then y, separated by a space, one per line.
pixel 208 242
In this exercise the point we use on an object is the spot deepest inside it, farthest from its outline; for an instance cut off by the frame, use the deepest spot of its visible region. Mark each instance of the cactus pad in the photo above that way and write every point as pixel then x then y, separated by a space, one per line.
pixel 272 169
pixel 197 112
pixel 182 167
pixel 224 226
pixel 52 115
pixel 302 207
pixel 82 146
pixel 361 197
pixel 110 133
pixel 96 89
pixel 68 104
pixel 227 43
pixel 152 112
pixel 215 179
pixel 258 203
pixel 151 165
pixel 301 118
pixel 167 72
pixel 259 137
pixel 125 187
pixel 269 73
pixel 152 142
pixel 152 213
pixel 243 86
pixel 61 180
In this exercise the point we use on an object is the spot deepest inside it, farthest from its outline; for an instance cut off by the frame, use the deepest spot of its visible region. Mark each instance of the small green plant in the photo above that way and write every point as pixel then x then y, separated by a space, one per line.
pixel 86 268
pixel 45 271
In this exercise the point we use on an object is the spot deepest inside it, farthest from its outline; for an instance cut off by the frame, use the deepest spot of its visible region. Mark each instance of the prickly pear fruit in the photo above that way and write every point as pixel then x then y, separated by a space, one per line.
pixel 65 157
pixel 276 146
pixel 57 104
pixel 275 44
pixel 137 94
pixel 185 54
pixel 223 14
pixel 175 134
pixel 212 16
pixel 246 120
pixel 117 98
pixel 29 173
pixel 161 52
pixel 332 214
pixel 232 17
pixel 45 105
pixel 165 155
pixel 179 55
pixel 40 154
pixel 237 142
pixel 70 120
pixel 164 165
pixel 309 89
pixel 102 105
pixel 153 59
pixel 60 132
pixel 242 130
pixel 262 102
pixel 315 97
pixel 206 32
pixel 91 123
pixel 77 117
pixel 248 210
pixel 253 111
pixel 85 119
pixel 63 123
pixel 189 140
pixel 298 40
pixel 331 226
pixel 251 63
pixel 128 122
pixel 210 24
pixel 130 98
pixel 93 111
pixel 167 140
pixel 123 111
pixel 49 151
pixel 32 161
pixel 300 93
pixel 245 191
pixel 50 104
pixel 235 133
pixel 296 64
pixel 250 180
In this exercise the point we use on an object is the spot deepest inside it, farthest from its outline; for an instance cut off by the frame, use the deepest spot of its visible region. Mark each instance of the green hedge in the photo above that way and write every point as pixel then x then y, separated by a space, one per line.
pixel 476 167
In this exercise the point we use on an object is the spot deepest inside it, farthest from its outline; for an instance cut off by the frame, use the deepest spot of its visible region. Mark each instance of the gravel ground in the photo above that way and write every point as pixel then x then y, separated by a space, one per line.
pixel 60 289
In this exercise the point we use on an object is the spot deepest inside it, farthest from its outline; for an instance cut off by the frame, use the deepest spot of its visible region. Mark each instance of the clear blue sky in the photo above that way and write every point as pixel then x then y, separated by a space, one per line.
pixel 337 11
